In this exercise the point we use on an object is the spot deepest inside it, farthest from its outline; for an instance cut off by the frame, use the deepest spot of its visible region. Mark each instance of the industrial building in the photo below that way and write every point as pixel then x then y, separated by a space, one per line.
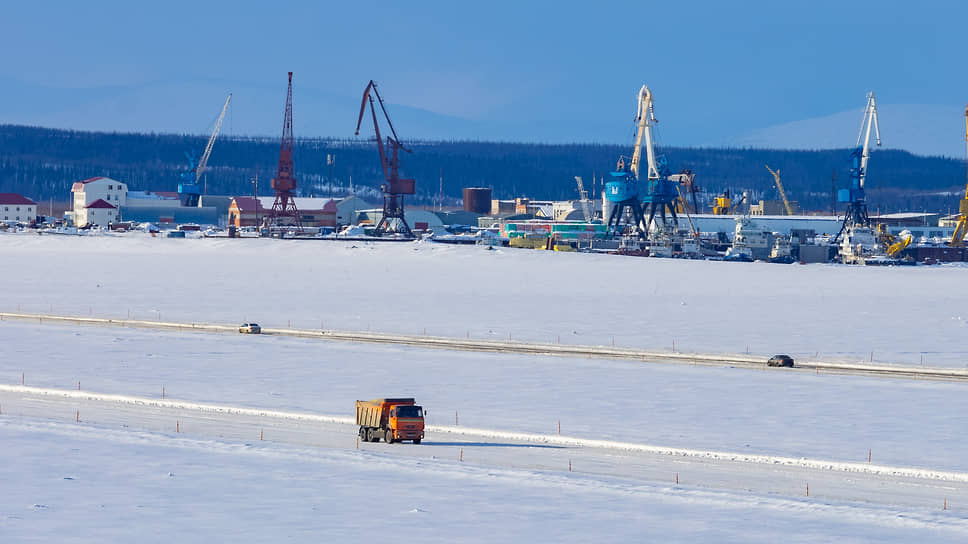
pixel 15 207
pixel 165 208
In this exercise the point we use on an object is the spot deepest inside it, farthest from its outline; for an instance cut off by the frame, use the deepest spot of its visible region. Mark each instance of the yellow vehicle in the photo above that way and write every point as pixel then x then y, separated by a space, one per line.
pixel 393 420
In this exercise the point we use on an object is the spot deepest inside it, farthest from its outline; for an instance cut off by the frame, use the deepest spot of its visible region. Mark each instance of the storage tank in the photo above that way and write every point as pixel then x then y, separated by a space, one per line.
pixel 477 200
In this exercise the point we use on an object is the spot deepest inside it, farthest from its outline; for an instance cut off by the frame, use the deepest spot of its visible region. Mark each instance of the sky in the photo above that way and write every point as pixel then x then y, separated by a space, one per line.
pixel 759 73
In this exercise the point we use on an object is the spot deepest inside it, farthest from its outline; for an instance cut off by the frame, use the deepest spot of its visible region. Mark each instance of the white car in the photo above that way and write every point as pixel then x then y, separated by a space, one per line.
pixel 250 328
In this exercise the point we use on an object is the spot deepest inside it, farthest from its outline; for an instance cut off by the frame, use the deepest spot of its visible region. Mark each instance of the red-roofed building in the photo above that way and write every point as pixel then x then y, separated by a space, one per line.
pixel 247 211
pixel 14 207
pixel 88 192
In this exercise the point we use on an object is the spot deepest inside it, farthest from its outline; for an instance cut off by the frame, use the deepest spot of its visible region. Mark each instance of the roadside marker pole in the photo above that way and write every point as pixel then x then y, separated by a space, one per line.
pixel 78 385
pixel 357 442
pixel 21 379
pixel 456 420
pixel 569 465
pixel 177 426
pixel 461 455
pixel 260 433
pixel 677 478
pixel 559 427
pixel 808 490
pixel 77 416
pixel 945 503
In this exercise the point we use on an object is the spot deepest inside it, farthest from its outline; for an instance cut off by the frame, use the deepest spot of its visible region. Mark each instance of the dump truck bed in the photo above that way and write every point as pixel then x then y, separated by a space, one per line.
pixel 373 413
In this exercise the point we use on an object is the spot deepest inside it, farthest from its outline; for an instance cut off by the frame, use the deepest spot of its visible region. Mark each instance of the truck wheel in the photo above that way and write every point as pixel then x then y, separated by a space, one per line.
pixel 388 436
pixel 363 437
pixel 416 440
pixel 374 435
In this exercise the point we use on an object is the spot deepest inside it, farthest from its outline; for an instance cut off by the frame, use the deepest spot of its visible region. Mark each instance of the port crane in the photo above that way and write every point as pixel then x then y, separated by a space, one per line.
pixel 661 193
pixel 284 213
pixel 958 238
pixel 779 187
pixel 856 213
pixel 393 220
pixel 188 189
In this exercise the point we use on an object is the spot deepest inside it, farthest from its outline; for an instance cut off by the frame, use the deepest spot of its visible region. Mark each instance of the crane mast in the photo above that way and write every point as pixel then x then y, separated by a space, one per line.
pixel 870 120
pixel 779 187
pixel 188 189
pixel 583 195
pixel 958 238
pixel 644 118
pixel 856 212
pixel 203 162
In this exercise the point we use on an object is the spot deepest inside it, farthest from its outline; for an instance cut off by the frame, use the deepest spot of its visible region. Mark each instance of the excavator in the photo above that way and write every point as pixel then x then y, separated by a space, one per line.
pixel 894 244
pixel 724 204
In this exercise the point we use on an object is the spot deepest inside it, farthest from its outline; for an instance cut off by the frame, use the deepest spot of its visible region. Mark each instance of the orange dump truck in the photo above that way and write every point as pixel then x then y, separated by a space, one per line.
pixel 393 420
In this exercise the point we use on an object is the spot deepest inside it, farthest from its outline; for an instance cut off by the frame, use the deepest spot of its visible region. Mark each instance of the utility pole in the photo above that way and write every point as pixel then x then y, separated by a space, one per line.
pixel 255 195
pixel 440 194
pixel 330 161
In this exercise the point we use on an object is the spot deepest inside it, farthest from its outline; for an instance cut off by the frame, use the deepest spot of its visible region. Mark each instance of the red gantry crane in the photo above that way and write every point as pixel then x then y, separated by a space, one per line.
pixel 284 213
pixel 393 220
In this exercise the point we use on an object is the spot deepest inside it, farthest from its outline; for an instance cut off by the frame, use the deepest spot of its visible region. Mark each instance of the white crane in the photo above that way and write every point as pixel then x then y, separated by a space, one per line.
pixel 870 119
pixel 585 210
pixel 645 118
pixel 203 162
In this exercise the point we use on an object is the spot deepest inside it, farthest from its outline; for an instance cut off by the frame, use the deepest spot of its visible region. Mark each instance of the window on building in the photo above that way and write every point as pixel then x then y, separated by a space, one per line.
pixel 110 187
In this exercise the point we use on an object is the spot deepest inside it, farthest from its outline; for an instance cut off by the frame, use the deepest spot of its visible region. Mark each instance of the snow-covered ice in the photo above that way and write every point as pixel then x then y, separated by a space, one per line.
pixel 125 471
pixel 901 314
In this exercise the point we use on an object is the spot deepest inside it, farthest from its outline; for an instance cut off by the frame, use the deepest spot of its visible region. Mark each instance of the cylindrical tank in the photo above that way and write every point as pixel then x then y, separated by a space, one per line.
pixel 477 200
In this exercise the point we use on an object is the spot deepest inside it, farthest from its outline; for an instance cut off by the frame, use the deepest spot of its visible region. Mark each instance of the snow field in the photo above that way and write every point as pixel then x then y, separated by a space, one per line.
pixel 897 314
pixel 92 484
pixel 836 418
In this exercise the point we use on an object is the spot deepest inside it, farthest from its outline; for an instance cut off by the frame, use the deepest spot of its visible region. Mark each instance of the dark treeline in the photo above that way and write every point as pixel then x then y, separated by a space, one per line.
pixel 43 163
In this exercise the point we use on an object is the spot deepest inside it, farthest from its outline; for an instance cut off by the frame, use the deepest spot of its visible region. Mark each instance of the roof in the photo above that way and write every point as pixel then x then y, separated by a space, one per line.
pixel 100 204
pixel 14 198
pixel 303 203
pixel 247 203
pixel 79 185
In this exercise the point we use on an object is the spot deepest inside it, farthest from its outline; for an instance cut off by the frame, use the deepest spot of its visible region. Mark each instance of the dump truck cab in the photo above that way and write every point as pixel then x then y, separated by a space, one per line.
pixel 392 419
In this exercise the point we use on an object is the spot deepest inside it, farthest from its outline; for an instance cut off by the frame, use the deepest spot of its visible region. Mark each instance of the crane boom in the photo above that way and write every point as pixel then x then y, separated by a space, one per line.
pixel 645 118
pixel 870 120
pixel 203 162
pixel 779 186
pixel 958 238
pixel 586 212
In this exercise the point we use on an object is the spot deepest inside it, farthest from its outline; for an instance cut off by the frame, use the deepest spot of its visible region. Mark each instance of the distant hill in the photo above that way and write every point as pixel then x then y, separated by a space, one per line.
pixel 42 163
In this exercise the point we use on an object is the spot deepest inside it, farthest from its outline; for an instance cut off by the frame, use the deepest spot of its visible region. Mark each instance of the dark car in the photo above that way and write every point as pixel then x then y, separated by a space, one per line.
pixel 250 328
pixel 780 360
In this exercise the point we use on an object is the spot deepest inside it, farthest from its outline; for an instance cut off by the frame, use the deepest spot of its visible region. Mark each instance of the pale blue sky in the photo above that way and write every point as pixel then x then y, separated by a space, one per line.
pixel 721 72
